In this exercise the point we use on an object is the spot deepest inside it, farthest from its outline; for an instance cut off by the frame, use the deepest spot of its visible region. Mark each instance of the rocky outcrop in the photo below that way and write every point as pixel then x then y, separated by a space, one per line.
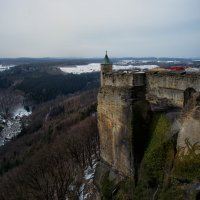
pixel 189 134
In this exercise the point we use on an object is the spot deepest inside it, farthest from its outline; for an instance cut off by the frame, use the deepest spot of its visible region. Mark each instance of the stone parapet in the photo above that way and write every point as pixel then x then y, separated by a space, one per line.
pixel 169 87
pixel 124 79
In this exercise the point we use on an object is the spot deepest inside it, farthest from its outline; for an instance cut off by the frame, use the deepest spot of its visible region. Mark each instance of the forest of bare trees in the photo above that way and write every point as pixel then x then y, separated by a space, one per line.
pixel 48 162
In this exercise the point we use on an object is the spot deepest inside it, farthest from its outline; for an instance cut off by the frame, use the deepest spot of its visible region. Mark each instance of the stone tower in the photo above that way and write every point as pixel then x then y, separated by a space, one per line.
pixel 106 66
pixel 118 99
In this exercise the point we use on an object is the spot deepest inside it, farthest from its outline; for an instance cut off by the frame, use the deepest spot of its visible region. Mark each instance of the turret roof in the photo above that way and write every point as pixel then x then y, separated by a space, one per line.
pixel 106 60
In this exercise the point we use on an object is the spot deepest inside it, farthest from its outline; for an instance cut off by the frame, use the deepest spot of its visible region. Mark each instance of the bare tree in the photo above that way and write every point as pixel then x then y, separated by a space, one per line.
pixel 8 101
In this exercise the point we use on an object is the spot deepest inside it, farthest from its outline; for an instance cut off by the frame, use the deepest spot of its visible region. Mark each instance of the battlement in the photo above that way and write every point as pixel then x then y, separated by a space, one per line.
pixel 161 87
pixel 125 78
pixel 174 80
pixel 171 88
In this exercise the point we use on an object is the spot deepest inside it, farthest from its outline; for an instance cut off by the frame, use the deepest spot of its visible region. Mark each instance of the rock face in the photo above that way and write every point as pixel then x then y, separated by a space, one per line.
pixel 115 115
pixel 189 134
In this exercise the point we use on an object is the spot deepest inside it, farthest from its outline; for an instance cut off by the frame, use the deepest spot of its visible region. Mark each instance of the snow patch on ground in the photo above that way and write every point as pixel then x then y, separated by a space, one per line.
pixel 12 125
pixel 88 178
pixel 192 69
pixel 95 67
pixel 5 67
pixel 90 171
pixel 20 112
pixel 82 197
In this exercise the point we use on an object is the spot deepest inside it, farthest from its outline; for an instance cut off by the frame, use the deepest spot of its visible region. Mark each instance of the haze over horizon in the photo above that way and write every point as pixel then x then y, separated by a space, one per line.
pixel 75 28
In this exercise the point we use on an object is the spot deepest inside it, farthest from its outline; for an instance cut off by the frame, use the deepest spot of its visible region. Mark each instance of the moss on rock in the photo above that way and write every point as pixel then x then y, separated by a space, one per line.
pixel 107 187
pixel 157 159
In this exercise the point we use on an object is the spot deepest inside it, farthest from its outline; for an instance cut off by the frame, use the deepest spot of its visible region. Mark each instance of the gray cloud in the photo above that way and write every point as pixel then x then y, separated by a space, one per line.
pixel 64 28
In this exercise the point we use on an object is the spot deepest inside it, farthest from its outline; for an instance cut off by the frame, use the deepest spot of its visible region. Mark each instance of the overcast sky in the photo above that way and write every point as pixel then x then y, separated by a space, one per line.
pixel 86 28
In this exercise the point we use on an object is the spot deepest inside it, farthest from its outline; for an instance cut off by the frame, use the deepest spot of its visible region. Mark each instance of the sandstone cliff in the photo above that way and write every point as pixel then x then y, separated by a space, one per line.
pixel 149 136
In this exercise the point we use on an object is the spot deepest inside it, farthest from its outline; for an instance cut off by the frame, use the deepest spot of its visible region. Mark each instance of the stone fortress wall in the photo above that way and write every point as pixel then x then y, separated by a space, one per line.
pixel 161 87
pixel 171 88
pixel 124 78
pixel 120 91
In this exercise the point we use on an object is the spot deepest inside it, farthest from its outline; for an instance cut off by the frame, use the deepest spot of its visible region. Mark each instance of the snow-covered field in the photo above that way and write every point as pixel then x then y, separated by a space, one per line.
pixel 192 70
pixel 5 67
pixel 135 62
pixel 95 67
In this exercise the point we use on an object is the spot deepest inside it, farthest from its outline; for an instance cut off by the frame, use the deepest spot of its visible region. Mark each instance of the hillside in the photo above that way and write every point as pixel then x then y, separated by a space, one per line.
pixel 47 160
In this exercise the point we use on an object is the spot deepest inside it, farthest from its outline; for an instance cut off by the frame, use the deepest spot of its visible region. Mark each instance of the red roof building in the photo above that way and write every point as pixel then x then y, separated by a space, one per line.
pixel 177 68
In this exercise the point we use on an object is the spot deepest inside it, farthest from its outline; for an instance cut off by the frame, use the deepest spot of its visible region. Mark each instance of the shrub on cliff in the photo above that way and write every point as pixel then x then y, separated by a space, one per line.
pixel 157 159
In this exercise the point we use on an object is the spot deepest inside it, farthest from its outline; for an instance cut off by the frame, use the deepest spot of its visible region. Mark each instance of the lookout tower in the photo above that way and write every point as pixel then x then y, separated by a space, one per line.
pixel 106 66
